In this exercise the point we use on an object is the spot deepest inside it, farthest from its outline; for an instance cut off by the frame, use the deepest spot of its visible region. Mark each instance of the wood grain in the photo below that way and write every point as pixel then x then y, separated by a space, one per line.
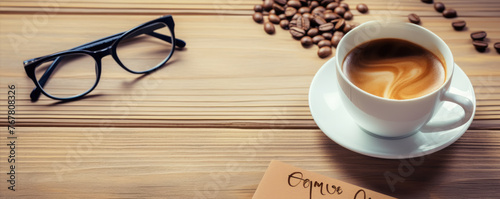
pixel 208 124
pixel 111 162
pixel 196 86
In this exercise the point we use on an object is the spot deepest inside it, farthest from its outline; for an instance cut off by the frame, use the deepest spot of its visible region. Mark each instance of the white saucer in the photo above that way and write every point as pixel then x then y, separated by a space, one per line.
pixel 331 117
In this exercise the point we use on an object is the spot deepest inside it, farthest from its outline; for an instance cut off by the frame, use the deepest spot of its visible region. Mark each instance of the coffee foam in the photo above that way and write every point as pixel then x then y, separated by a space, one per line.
pixel 394 69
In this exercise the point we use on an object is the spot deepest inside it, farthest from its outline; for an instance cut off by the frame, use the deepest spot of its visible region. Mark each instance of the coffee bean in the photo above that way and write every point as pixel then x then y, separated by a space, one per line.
pixel 345 6
pixel 319 20
pixel 284 24
pixel 292 23
pixel 324 43
pixel 480 45
pixel 327 35
pixel 318 38
pixel 281 2
pixel 326 2
pixel 339 10
pixel 313 4
pixel 348 15
pixel 258 8
pixel 313 32
pixel 497 47
pixel 347 28
pixel 326 27
pixel 306 41
pixel 362 8
pixel 294 3
pixel 290 11
pixel 331 16
pixel 335 41
pixel 308 16
pixel 438 6
pixel 340 24
pixel 272 11
pixel 338 33
pixel 319 9
pixel 268 5
pixel 296 16
pixel 282 16
pixel 297 32
pixel 269 27
pixel 303 23
pixel 319 14
pixel 479 35
pixel 337 36
pixel 332 6
pixel 427 1
pixel 273 18
pixel 450 13
pixel 414 18
pixel 328 11
pixel 303 10
pixel 278 8
pixel 258 17
pixel 324 51
pixel 458 25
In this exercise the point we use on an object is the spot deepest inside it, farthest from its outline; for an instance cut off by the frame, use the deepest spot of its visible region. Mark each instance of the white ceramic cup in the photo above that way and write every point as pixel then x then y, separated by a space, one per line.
pixel 398 118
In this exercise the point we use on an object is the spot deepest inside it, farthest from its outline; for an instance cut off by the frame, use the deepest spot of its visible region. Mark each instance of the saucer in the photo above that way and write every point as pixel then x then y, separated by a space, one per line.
pixel 333 119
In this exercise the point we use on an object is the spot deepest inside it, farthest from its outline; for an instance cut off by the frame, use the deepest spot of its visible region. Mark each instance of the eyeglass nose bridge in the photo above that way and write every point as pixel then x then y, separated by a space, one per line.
pixel 99 54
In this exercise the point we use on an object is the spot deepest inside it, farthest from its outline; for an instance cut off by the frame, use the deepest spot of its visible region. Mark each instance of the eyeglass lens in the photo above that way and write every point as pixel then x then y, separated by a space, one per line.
pixel 142 52
pixel 73 74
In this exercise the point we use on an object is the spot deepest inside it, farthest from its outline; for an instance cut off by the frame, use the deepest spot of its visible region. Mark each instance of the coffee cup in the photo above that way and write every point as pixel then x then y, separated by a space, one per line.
pixel 397 118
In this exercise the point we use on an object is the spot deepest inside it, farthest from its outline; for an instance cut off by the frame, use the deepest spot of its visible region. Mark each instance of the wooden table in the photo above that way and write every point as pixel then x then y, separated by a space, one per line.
pixel 208 124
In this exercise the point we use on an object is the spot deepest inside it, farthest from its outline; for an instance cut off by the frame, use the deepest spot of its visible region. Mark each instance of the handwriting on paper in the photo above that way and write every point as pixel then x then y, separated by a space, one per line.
pixel 285 181
pixel 297 178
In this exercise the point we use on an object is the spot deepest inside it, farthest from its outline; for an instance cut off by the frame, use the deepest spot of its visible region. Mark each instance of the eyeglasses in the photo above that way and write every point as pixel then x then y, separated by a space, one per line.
pixel 69 75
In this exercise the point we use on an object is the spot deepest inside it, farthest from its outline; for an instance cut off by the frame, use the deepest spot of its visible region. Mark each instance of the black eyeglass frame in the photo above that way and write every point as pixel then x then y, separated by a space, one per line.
pixel 97 50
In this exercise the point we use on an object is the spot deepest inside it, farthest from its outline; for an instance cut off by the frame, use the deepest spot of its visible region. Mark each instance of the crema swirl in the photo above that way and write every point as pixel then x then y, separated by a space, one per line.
pixel 394 69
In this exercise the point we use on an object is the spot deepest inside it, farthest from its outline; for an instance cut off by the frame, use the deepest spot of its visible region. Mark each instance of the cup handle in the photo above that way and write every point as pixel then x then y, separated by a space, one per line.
pixel 462 101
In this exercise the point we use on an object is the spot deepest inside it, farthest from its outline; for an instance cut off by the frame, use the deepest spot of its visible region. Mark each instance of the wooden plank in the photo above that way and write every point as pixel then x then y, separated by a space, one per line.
pixel 197 86
pixel 228 163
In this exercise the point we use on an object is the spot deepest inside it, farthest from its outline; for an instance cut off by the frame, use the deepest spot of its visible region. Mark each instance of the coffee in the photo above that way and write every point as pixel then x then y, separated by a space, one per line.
pixel 394 69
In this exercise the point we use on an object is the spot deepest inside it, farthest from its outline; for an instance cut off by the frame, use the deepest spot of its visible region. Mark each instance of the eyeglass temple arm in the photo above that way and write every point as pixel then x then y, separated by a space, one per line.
pixel 96 45
pixel 35 94
pixel 149 30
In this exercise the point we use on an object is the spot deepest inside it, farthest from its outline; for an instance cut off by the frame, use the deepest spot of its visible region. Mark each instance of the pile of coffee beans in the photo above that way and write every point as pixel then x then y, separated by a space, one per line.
pixel 324 22
pixel 312 22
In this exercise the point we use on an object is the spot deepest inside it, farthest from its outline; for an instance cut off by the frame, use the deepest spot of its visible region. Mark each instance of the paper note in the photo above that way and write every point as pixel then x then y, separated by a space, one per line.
pixel 283 181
